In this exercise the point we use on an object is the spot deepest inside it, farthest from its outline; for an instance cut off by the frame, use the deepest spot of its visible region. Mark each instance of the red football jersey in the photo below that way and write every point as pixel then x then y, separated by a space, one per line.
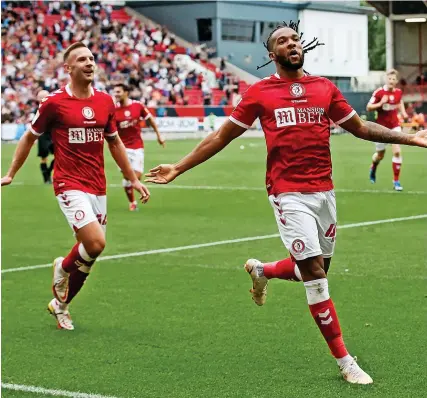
pixel 78 127
pixel 128 123
pixel 295 117
pixel 387 115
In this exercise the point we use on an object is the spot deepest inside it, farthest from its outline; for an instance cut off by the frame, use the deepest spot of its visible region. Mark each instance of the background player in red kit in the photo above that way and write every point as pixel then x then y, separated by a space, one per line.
pixel 295 110
pixel 128 115
pixel 387 101
pixel 79 119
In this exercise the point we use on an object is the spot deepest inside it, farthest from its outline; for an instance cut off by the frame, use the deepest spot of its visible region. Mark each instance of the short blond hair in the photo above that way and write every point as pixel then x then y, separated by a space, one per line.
pixel 78 44
pixel 392 72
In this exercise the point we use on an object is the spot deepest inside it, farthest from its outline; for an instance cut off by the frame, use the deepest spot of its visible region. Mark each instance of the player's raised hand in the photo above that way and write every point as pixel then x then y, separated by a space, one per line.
pixel 162 174
pixel 6 180
pixel 142 189
pixel 420 139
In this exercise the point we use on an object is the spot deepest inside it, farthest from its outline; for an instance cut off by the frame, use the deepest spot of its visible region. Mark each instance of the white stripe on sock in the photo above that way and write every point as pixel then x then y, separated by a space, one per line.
pixel 84 254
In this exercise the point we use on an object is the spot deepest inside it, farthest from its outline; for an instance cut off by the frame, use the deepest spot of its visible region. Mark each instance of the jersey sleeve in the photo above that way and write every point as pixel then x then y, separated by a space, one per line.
pixel 247 109
pixel 376 97
pixel 111 126
pixel 145 113
pixel 339 109
pixel 43 119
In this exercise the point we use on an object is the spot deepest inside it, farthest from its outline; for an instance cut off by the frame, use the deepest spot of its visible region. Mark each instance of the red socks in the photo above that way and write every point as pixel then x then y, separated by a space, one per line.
pixel 76 281
pixel 130 194
pixel 78 264
pixel 397 165
pixel 283 269
pixel 76 258
pixel 323 311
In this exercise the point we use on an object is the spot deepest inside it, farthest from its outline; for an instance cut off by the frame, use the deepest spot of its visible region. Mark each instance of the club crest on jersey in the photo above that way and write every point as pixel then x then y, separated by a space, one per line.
pixel 127 113
pixel 88 112
pixel 297 90
pixel 298 246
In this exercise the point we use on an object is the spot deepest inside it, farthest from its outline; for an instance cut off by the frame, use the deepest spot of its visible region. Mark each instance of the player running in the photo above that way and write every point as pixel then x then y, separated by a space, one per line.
pixel 295 110
pixel 79 118
pixel 128 115
pixel 387 100
pixel 45 147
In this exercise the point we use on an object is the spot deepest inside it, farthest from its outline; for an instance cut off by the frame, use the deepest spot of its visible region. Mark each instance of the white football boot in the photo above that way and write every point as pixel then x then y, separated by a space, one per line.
pixel 60 281
pixel 353 373
pixel 255 269
pixel 61 314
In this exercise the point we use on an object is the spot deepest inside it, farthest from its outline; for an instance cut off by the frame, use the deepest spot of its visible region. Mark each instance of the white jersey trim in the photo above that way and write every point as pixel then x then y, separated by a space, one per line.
pixel 235 121
pixel 344 119
pixel 34 131
pixel 148 116
pixel 70 93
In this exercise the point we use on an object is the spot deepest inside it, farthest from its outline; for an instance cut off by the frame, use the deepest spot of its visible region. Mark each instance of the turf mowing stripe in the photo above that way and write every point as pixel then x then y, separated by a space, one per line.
pixel 221 242
pixel 233 188
pixel 51 392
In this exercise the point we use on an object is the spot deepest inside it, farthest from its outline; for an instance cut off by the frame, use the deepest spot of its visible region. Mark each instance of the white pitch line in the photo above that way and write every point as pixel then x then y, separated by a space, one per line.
pixel 243 188
pixel 217 243
pixel 51 392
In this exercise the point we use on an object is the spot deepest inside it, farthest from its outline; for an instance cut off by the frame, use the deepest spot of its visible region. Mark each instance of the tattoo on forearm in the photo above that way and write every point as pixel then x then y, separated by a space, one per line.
pixel 377 133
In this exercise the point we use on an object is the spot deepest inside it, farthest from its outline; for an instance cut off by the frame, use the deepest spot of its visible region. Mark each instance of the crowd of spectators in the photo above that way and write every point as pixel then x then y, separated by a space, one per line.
pixel 35 33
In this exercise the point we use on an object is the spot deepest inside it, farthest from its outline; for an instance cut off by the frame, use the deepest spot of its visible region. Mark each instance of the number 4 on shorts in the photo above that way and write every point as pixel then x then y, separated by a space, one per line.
pixel 331 232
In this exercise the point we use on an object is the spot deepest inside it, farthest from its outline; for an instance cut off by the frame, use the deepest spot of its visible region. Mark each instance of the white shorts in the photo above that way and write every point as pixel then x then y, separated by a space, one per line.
pixel 136 158
pixel 81 208
pixel 380 146
pixel 307 223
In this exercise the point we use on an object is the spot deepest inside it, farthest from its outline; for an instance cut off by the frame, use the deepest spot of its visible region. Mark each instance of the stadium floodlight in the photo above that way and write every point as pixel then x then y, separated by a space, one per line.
pixel 415 19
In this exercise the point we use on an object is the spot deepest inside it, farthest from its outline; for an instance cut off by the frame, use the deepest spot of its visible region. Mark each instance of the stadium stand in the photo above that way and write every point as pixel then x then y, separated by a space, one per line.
pixel 127 51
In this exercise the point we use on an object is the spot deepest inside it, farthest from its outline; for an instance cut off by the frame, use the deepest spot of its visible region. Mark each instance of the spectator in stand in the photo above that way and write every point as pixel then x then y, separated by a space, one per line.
pixel 131 53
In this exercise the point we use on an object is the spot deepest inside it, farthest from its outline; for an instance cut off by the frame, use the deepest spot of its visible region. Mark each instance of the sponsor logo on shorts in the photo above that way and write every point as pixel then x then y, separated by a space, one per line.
pixel 298 246
pixel 88 112
pixel 79 215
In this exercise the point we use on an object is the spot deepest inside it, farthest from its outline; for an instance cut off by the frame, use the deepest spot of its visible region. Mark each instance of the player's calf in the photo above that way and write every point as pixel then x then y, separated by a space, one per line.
pixel 376 159
pixel 323 312
pixel 71 272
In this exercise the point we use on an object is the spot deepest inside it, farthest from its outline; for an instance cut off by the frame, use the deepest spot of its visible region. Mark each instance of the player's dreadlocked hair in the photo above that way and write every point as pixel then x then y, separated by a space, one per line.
pixel 293 25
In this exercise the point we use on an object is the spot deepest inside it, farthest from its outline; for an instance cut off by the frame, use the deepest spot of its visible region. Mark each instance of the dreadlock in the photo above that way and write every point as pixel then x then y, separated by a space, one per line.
pixel 293 25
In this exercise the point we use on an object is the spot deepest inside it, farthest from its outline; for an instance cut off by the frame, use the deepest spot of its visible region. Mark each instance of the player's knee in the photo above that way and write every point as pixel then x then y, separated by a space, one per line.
pixel 312 268
pixel 396 154
pixel 380 155
pixel 95 247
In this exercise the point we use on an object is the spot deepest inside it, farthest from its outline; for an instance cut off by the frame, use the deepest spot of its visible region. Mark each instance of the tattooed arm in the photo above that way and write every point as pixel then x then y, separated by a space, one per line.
pixel 374 132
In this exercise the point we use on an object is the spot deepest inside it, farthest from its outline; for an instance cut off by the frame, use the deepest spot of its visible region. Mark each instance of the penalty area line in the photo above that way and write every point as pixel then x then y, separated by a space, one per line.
pixel 217 243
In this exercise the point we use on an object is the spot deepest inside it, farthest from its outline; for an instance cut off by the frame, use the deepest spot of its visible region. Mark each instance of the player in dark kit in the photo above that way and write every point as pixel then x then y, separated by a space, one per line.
pixel 45 146
pixel 295 110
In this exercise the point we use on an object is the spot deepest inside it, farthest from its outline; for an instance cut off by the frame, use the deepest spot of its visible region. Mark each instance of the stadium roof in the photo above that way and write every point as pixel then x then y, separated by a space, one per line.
pixel 400 7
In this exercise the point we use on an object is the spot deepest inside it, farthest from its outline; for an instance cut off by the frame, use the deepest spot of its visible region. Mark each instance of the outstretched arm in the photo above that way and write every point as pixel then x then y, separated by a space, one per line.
pixel 118 152
pixel 210 146
pixel 21 153
pixel 374 132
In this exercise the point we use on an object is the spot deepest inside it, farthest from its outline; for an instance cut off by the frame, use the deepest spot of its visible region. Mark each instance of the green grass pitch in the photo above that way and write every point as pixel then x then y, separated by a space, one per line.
pixel 182 324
